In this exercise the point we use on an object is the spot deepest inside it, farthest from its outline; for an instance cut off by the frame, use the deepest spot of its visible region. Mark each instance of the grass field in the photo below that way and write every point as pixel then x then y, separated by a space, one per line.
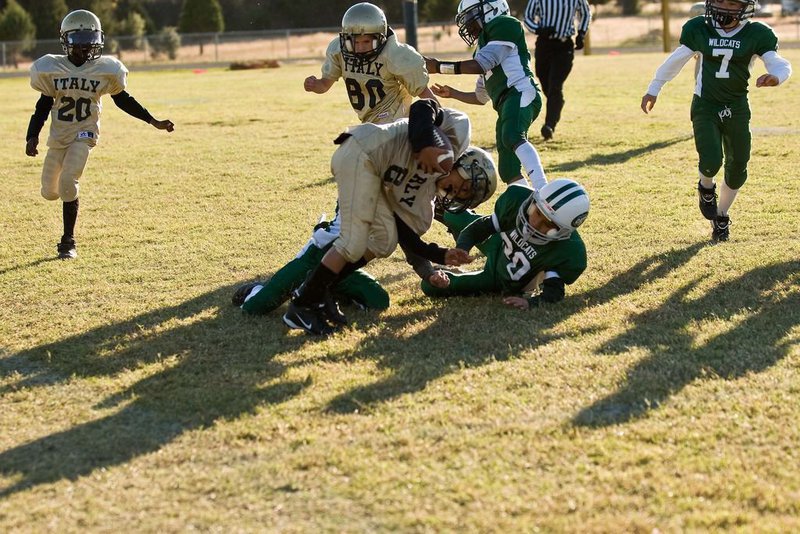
pixel 661 394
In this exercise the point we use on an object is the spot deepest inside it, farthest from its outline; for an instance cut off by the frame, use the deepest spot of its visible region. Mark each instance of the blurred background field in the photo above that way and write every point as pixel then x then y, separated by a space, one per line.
pixel 610 32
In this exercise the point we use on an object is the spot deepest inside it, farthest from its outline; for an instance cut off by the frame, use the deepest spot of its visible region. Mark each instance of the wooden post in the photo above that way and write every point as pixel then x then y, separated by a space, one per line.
pixel 667 40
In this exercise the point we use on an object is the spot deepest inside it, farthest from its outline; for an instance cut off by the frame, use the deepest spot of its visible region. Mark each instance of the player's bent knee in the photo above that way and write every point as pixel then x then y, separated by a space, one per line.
pixel 68 194
pixel 50 194
pixel 376 299
pixel 710 169
pixel 352 252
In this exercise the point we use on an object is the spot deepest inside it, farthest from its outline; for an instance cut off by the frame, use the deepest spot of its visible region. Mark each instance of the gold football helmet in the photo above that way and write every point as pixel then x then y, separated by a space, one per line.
pixel 363 19
pixel 82 36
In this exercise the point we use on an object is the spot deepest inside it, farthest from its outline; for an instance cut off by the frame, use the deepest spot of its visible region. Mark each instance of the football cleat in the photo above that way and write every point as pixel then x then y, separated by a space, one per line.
pixel 311 319
pixel 708 201
pixel 547 132
pixel 332 310
pixel 720 228
pixel 66 250
pixel 242 293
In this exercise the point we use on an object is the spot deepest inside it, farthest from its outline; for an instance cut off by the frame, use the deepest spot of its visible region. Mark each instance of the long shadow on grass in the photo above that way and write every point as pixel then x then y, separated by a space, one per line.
pixel 204 364
pixel 456 335
pixel 763 305
pixel 616 157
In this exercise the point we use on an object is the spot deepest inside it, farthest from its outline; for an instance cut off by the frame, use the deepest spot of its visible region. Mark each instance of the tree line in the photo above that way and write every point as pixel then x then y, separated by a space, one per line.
pixel 25 21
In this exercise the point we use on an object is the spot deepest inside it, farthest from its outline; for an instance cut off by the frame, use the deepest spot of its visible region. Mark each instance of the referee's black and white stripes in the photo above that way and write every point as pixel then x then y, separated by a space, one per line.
pixel 558 14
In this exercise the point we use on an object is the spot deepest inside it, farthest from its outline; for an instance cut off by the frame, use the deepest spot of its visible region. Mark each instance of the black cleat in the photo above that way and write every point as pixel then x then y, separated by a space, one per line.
pixel 708 201
pixel 311 319
pixel 720 228
pixel 67 250
pixel 547 132
pixel 242 292
pixel 332 311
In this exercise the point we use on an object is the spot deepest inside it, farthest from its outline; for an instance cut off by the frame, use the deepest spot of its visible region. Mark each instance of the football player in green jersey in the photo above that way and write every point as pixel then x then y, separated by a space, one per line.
pixel 530 242
pixel 503 62
pixel 727 42
pixel 381 75
pixel 385 174
pixel 71 86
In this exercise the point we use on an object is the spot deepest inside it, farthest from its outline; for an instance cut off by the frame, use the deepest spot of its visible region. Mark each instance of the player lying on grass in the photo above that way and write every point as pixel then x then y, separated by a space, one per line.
pixel 531 242
pixel 387 170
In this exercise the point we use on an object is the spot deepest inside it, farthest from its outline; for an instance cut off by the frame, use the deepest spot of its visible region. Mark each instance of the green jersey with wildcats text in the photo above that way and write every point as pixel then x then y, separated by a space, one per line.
pixel 515 69
pixel 521 260
pixel 726 57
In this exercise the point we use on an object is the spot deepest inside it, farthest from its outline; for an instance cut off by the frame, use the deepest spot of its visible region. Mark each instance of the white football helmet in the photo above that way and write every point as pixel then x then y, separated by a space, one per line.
pixel 564 202
pixel 363 19
pixel 81 35
pixel 473 15
pixel 477 168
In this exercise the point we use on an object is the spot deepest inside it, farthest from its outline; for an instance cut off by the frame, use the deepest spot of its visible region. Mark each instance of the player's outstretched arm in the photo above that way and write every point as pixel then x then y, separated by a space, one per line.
pixel 312 84
pixel 470 66
pixel 446 91
pixel 166 124
pixel 129 105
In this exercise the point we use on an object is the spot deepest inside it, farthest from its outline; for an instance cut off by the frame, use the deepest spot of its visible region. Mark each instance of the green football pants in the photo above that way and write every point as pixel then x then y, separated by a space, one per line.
pixel 359 286
pixel 511 128
pixel 722 131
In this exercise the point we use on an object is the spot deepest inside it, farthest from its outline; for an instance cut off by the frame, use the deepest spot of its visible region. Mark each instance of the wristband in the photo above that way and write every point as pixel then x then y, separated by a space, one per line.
pixel 450 67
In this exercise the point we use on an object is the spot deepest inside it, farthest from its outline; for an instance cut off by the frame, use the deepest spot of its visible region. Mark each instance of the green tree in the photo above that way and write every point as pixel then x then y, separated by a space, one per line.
pixel 201 16
pixel 167 42
pixel 16 25
pixel 132 27
pixel 46 15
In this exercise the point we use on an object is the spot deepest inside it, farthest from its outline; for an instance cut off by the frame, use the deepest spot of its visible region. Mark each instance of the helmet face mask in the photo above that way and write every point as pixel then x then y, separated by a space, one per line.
pixel 473 15
pixel 563 203
pixel 479 174
pixel 722 17
pixel 363 19
pixel 82 36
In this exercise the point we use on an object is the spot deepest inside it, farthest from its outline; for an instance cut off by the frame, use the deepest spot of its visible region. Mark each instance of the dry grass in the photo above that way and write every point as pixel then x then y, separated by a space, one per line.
pixel 661 394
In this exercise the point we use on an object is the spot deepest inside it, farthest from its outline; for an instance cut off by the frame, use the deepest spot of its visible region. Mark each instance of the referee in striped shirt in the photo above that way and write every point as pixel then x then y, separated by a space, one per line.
pixel 553 22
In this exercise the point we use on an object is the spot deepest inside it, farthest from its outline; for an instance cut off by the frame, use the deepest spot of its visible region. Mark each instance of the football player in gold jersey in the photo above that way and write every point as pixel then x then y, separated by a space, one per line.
pixel 381 75
pixel 71 86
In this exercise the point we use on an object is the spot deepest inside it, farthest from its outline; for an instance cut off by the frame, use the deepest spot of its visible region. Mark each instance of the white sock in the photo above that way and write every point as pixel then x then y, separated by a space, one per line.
pixel 726 198
pixel 532 164
pixel 705 181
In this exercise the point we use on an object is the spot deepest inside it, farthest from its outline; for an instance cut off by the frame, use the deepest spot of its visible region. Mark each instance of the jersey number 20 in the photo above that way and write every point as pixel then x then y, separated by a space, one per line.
pixel 74 110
